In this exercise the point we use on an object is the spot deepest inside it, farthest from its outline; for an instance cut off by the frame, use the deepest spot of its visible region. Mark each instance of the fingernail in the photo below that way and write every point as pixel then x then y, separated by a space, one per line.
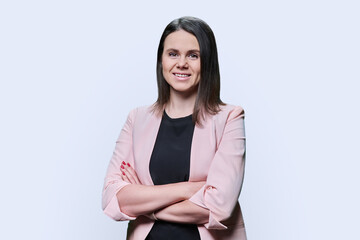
pixel 122 166
pixel 123 173
pixel 128 164
pixel 123 162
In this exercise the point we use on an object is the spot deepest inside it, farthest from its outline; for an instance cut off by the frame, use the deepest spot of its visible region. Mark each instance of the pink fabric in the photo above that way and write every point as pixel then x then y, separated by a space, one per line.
pixel 217 156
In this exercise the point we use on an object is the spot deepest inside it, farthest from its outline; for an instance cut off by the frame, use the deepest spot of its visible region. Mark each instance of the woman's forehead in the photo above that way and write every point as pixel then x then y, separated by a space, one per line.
pixel 181 40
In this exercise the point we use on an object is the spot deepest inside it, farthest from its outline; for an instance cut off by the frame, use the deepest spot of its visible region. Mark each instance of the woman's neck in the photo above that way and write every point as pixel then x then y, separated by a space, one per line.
pixel 180 105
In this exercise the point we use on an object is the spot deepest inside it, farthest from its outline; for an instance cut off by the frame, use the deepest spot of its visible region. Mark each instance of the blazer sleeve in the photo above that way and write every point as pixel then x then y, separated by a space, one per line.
pixel 225 177
pixel 113 182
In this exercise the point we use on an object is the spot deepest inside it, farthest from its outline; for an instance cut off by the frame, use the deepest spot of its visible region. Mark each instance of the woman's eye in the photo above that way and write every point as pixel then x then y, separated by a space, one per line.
pixel 193 56
pixel 172 54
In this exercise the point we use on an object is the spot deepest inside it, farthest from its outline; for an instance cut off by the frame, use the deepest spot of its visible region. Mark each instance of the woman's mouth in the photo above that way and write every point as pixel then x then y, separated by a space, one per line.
pixel 182 76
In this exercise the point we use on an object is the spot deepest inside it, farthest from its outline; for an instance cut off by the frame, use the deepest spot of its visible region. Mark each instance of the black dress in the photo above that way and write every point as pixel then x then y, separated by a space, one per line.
pixel 170 163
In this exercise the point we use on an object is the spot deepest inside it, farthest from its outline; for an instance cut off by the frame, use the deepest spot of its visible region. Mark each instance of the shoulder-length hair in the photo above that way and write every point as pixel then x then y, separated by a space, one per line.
pixel 208 96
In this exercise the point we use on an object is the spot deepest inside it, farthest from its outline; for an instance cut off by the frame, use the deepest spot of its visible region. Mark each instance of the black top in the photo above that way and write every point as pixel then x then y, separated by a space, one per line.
pixel 170 163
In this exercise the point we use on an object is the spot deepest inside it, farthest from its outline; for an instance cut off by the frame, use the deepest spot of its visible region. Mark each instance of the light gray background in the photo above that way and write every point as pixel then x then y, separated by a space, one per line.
pixel 71 70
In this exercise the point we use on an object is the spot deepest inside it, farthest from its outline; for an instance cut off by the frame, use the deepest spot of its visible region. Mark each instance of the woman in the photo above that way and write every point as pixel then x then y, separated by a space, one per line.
pixel 178 165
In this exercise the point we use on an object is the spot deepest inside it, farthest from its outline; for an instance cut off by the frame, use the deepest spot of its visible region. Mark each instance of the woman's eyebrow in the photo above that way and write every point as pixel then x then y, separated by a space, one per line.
pixel 194 51
pixel 176 50
pixel 171 50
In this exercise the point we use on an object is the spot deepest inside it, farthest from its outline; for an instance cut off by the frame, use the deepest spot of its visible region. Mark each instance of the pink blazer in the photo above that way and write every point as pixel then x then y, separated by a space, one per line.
pixel 217 157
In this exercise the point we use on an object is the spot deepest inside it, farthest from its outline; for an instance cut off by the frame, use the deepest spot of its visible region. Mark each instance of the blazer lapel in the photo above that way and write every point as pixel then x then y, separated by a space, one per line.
pixel 202 150
pixel 144 143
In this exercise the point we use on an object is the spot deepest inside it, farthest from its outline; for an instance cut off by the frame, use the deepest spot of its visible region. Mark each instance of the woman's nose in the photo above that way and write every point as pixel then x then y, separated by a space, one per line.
pixel 182 63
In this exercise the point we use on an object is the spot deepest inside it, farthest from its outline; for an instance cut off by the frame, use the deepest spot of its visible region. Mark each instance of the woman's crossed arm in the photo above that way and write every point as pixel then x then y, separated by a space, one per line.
pixel 170 201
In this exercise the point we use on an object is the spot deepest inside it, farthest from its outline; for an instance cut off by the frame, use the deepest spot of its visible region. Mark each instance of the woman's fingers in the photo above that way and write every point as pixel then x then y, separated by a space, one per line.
pixel 124 177
pixel 129 174
pixel 133 174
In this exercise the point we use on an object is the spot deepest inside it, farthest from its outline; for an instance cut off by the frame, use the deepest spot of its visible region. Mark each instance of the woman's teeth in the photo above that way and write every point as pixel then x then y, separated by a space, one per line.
pixel 182 75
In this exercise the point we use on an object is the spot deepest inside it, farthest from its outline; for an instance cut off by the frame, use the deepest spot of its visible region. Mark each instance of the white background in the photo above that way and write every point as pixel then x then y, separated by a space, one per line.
pixel 71 70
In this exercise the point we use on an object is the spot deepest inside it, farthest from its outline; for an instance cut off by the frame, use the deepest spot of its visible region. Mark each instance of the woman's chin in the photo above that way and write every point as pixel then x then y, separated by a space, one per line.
pixel 187 91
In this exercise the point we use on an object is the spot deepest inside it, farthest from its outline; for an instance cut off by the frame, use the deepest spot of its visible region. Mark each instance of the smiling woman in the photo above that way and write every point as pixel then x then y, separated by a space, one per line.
pixel 181 63
pixel 178 165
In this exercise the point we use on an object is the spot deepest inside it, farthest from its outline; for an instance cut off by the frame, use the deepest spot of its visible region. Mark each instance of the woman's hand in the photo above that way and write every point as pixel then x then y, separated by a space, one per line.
pixel 182 212
pixel 193 187
pixel 128 174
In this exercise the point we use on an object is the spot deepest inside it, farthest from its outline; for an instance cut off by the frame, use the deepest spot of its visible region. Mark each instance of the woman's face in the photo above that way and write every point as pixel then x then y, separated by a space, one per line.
pixel 181 62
